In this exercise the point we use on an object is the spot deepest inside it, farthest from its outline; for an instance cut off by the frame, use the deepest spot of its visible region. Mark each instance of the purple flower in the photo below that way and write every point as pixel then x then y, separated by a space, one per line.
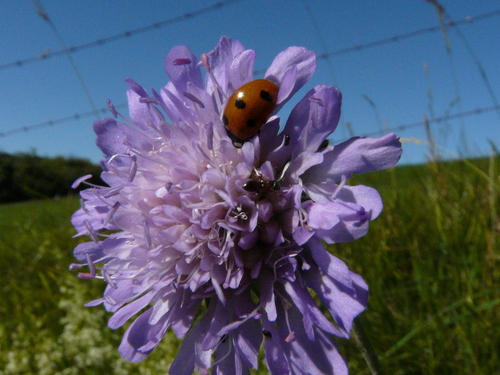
pixel 222 244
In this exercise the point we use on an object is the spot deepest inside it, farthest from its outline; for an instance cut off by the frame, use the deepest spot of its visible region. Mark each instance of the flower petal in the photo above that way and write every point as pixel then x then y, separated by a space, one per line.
pixel 276 361
pixel 220 60
pixel 241 69
pixel 313 119
pixel 344 304
pixel 140 338
pixel 120 317
pixel 357 155
pixel 300 59
pixel 365 196
pixel 329 264
pixel 190 354
pixel 316 357
pixel 182 67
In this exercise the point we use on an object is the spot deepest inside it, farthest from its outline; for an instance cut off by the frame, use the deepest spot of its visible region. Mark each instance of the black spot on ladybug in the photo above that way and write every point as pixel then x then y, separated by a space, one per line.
pixel 251 123
pixel 267 334
pixel 265 95
pixel 240 104
pixel 225 121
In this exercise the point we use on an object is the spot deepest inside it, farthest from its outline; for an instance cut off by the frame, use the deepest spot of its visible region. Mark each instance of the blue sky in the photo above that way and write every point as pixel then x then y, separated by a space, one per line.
pixel 384 86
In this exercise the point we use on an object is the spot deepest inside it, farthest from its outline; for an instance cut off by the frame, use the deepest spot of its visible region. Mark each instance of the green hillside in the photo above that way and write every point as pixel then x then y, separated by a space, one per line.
pixel 27 176
pixel 431 259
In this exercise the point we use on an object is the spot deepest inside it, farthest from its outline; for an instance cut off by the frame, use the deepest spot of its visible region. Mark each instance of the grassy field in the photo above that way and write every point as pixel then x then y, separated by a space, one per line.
pixel 432 261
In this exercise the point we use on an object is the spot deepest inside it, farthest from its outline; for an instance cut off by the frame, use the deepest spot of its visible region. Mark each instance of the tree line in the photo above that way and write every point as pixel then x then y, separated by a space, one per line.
pixel 27 176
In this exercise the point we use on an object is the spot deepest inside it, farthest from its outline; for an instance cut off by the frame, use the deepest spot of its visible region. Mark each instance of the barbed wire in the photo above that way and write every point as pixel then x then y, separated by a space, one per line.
pixel 126 34
pixel 42 13
pixel 400 128
pixel 46 124
pixel 78 116
pixel 219 5
pixel 99 42
pixel 411 34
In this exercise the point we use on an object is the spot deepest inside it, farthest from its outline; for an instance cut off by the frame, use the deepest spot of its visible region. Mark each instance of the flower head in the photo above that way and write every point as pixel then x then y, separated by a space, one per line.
pixel 224 244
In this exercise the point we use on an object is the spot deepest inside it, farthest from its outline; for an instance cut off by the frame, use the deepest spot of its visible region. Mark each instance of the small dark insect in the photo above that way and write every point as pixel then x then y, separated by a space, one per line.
pixel 259 184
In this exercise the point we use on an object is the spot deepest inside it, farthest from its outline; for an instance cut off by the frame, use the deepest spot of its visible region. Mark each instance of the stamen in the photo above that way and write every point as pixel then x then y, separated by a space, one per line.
pixel 133 169
pixel 147 234
pixel 283 171
pixel 209 130
pixel 289 255
pixel 291 335
pixel 162 163
pixel 229 268
pixel 112 108
pixel 111 212
pixel 202 152
pixel 91 265
pixel 316 100
pixel 158 113
pixel 219 93
pixel 108 278
pixel 82 205
pixel 229 350
pixel 254 314
pixel 218 290
pixel 148 100
pixel 112 192
pixel 127 155
pixel 85 275
pixel 80 180
pixel 74 266
pixel 110 300
pixel 181 61
pixel 204 61
pixel 339 187
pixel 101 198
pixel 115 113
pixel 194 99
pixel 240 214
pixel 91 232
pixel 302 214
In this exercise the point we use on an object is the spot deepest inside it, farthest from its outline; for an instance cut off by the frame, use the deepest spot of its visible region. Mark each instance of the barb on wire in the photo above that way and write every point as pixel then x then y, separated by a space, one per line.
pixel 473 112
pixel 399 37
pixel 46 124
pixel 78 116
pixel 42 13
pixel 443 14
pixel 112 38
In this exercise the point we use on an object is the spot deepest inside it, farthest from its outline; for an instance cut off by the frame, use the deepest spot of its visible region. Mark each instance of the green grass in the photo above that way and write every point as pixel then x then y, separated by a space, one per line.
pixel 432 263
pixel 431 260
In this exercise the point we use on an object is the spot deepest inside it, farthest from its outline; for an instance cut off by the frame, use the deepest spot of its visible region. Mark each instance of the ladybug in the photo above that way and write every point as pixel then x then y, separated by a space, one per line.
pixel 248 108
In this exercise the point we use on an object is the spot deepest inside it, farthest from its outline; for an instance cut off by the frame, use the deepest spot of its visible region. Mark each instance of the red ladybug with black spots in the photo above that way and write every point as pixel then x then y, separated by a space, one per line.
pixel 248 108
